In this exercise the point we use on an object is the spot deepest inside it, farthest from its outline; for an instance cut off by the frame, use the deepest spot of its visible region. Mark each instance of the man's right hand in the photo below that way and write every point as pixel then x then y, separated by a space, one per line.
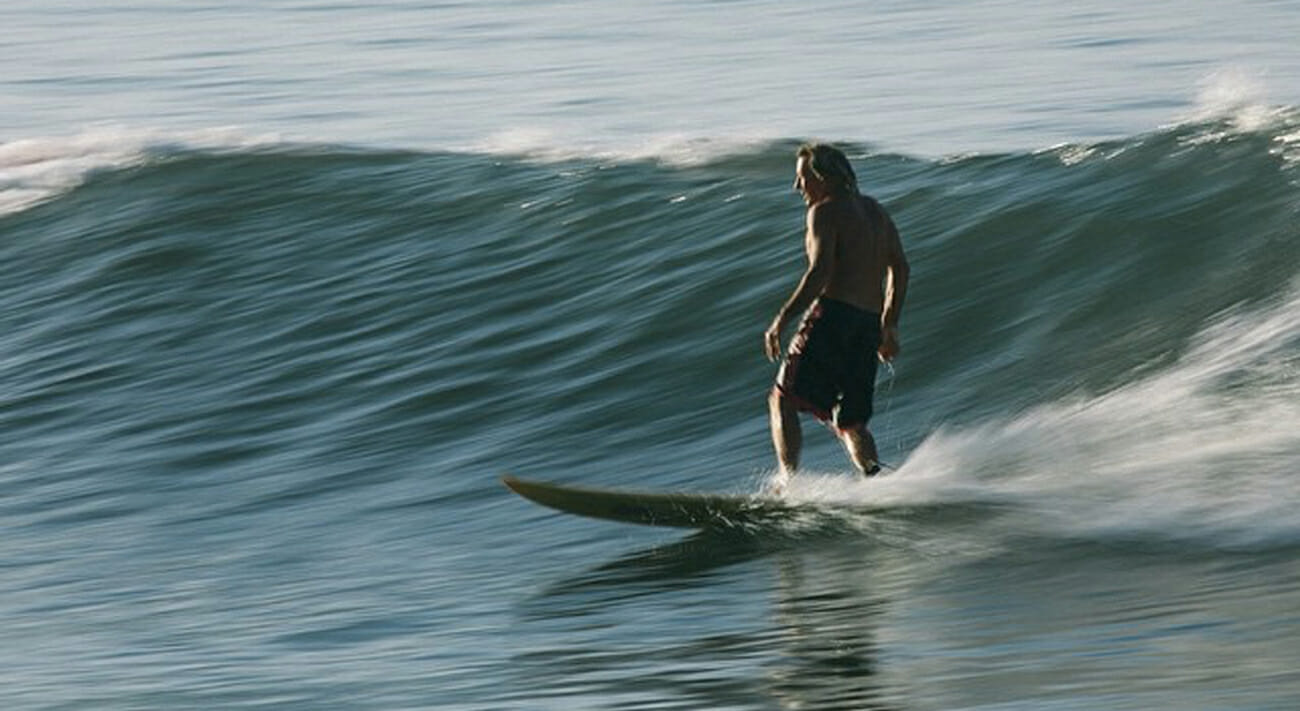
pixel 772 341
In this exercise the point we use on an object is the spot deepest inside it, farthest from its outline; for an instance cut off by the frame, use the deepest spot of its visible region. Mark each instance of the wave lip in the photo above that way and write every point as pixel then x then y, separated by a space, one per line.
pixel 672 149
pixel 33 170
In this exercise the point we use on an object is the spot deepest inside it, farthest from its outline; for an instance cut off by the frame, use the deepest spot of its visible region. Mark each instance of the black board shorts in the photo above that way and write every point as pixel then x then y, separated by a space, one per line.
pixel 830 369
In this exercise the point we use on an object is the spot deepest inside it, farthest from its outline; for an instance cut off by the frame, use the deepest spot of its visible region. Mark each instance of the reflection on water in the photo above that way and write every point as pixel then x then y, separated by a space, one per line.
pixel 676 627
pixel 827 614
pixel 844 620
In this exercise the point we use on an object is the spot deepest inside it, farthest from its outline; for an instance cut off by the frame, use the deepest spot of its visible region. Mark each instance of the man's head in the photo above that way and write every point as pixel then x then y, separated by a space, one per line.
pixel 823 170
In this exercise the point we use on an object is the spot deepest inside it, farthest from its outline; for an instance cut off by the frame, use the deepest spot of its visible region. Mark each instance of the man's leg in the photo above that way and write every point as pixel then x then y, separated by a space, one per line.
pixel 861 447
pixel 787 434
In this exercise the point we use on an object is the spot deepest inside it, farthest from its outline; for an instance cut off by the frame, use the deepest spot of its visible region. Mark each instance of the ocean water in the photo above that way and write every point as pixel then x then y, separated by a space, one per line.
pixel 289 286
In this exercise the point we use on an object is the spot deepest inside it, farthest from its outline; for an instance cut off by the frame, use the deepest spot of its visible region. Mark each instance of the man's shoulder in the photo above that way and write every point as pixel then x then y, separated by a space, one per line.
pixel 870 203
pixel 852 207
pixel 830 214
pixel 837 205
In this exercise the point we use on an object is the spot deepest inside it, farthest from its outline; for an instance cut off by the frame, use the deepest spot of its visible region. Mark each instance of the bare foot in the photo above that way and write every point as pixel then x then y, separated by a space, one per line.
pixel 777 485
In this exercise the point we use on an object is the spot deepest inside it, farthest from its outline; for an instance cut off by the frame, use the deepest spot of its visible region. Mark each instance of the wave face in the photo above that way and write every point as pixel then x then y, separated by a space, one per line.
pixel 244 308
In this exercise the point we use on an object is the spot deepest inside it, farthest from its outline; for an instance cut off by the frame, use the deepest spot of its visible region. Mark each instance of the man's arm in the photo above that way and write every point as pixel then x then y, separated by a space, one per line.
pixel 820 241
pixel 895 294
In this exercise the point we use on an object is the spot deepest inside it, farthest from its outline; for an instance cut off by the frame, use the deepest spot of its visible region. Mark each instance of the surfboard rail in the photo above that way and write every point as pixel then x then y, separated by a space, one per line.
pixel 674 509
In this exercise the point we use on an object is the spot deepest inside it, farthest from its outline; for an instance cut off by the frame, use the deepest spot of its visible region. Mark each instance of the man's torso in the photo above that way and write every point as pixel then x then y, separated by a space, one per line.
pixel 860 230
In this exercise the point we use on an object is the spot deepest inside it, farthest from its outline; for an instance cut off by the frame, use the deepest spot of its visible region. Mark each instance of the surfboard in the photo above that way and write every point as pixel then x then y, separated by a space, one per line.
pixel 675 509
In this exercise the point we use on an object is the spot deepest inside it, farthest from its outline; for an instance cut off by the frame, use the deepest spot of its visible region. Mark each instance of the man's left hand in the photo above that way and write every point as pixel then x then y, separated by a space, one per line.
pixel 889 345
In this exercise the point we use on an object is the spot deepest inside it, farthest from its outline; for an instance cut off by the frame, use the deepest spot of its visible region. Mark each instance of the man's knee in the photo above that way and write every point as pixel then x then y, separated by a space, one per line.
pixel 857 437
pixel 855 430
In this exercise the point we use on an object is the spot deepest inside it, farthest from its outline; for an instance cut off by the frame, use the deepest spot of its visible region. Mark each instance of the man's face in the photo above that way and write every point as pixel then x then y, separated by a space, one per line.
pixel 807 183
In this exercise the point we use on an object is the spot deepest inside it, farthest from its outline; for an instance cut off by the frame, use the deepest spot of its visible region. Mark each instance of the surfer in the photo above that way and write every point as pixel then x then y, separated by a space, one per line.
pixel 850 297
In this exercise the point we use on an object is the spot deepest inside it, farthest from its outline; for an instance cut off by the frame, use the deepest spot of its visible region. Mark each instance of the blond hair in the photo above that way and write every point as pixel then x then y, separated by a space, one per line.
pixel 830 165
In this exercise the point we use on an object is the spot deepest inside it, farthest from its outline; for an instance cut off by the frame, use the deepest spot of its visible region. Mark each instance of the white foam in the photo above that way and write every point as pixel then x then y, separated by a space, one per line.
pixel 1238 93
pixel 1206 449
pixel 33 170
pixel 1238 97
pixel 674 149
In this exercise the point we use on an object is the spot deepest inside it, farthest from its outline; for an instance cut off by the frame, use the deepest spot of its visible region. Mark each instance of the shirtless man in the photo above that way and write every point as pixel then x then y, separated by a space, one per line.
pixel 850 297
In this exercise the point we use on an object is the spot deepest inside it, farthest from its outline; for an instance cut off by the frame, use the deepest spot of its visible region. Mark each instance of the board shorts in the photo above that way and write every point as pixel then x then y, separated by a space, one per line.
pixel 830 369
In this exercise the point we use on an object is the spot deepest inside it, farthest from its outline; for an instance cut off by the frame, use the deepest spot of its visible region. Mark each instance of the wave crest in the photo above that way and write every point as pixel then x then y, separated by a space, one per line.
pixel 33 170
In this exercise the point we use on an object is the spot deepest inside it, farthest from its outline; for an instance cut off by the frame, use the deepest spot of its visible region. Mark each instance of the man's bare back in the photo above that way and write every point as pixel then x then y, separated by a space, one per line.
pixel 863 238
